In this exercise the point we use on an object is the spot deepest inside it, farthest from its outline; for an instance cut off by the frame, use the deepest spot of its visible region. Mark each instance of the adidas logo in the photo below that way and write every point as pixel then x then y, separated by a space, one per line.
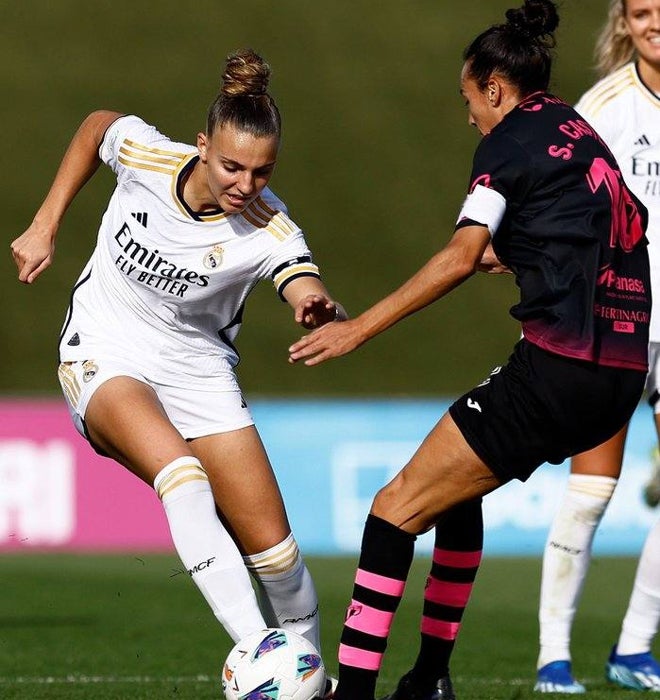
pixel 74 339
pixel 643 140
pixel 140 217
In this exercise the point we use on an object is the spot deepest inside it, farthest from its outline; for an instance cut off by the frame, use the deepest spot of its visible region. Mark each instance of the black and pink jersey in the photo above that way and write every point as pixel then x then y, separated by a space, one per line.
pixel 563 220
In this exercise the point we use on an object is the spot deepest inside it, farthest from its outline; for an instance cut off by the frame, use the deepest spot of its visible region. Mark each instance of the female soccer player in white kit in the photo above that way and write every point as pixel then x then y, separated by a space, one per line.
pixel 147 350
pixel 624 107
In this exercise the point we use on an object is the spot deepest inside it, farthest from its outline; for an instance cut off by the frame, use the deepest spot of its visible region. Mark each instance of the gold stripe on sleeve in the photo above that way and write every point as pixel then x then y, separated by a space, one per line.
pixel 146 158
pixel 275 216
pixel 147 149
pixel 142 166
pixel 604 93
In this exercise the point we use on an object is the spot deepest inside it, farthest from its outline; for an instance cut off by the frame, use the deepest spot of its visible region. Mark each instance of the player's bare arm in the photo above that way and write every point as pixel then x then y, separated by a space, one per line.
pixel 490 263
pixel 312 304
pixel 34 249
pixel 447 269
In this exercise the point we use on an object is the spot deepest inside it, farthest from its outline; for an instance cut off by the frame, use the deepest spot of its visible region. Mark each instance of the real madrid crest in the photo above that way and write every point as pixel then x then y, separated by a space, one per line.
pixel 90 368
pixel 213 258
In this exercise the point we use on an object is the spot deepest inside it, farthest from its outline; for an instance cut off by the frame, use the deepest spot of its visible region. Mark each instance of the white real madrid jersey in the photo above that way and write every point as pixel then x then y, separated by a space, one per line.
pixel 165 287
pixel 626 114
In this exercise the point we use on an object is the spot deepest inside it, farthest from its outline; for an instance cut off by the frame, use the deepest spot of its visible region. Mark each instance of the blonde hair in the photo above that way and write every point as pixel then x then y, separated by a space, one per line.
pixel 614 47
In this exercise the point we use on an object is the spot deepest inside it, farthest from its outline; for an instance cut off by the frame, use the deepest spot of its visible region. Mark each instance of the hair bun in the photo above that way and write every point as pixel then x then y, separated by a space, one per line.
pixel 536 18
pixel 246 74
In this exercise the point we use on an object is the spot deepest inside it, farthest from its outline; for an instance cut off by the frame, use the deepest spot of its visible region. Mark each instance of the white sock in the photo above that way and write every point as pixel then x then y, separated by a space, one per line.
pixel 566 560
pixel 205 547
pixel 640 623
pixel 286 590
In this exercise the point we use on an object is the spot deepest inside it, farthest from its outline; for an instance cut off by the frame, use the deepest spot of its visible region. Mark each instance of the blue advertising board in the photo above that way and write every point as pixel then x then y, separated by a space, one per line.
pixel 331 456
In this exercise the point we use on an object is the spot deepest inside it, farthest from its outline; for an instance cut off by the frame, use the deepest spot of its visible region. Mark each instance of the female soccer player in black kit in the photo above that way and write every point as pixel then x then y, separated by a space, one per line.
pixel 548 194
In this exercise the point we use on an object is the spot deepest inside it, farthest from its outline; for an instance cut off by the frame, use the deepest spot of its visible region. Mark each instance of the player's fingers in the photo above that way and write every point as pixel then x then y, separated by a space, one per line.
pixel 309 356
pixel 299 354
pixel 300 351
pixel 25 269
pixel 306 305
pixel 299 345
pixel 320 354
pixel 33 272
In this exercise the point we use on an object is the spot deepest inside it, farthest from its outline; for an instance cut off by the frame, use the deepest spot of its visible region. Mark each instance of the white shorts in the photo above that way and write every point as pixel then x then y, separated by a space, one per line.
pixel 193 412
pixel 652 387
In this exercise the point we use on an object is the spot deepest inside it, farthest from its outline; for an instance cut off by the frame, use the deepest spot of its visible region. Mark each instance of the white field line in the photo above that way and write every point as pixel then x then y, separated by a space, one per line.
pixel 75 679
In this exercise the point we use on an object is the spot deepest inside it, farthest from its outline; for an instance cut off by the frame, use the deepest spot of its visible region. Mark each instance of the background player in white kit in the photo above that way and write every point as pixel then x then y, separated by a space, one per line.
pixel 146 351
pixel 624 107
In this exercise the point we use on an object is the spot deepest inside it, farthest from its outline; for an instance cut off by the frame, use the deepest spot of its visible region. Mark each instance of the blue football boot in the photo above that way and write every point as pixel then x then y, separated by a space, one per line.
pixel 634 671
pixel 556 677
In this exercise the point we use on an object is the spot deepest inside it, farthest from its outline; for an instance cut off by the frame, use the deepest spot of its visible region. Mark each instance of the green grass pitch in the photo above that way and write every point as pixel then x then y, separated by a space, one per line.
pixel 134 626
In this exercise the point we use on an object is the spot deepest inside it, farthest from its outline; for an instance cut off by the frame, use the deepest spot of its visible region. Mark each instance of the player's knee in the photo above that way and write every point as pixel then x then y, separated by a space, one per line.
pixel 402 508
pixel 387 501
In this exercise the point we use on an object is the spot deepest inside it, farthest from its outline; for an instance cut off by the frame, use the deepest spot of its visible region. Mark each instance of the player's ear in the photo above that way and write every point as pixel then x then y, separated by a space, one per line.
pixel 494 92
pixel 202 144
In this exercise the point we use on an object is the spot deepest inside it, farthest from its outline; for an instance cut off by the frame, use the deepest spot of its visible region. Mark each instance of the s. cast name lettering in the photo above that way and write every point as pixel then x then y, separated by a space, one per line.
pixel 575 129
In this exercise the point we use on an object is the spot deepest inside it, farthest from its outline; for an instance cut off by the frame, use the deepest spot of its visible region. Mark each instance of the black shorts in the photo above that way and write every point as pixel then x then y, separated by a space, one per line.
pixel 541 407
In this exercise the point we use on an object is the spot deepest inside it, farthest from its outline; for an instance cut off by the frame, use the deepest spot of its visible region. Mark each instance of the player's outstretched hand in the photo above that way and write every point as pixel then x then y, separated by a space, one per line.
pixel 33 252
pixel 316 310
pixel 332 340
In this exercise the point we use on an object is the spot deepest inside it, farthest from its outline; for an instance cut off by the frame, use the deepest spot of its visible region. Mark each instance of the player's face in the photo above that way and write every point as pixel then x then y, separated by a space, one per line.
pixel 238 165
pixel 480 110
pixel 642 19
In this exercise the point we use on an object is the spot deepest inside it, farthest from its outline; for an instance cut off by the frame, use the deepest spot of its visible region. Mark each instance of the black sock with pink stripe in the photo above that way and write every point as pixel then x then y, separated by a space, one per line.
pixel 385 559
pixel 456 559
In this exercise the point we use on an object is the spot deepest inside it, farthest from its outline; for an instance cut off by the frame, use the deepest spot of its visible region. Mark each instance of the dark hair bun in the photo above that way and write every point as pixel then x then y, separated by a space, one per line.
pixel 536 18
pixel 246 74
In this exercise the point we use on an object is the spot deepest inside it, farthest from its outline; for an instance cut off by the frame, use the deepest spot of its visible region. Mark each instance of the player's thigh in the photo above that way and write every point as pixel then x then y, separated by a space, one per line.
pixel 443 472
pixel 125 419
pixel 245 488
pixel 603 460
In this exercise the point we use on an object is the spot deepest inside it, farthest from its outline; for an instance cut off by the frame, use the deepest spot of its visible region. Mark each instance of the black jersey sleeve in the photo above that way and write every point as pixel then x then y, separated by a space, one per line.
pixel 502 164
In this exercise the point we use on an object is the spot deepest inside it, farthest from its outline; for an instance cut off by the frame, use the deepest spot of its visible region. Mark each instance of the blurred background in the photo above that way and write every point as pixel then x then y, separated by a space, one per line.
pixel 374 164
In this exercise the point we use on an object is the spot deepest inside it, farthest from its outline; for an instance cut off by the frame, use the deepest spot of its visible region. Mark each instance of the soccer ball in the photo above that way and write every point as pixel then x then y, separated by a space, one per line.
pixel 273 664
